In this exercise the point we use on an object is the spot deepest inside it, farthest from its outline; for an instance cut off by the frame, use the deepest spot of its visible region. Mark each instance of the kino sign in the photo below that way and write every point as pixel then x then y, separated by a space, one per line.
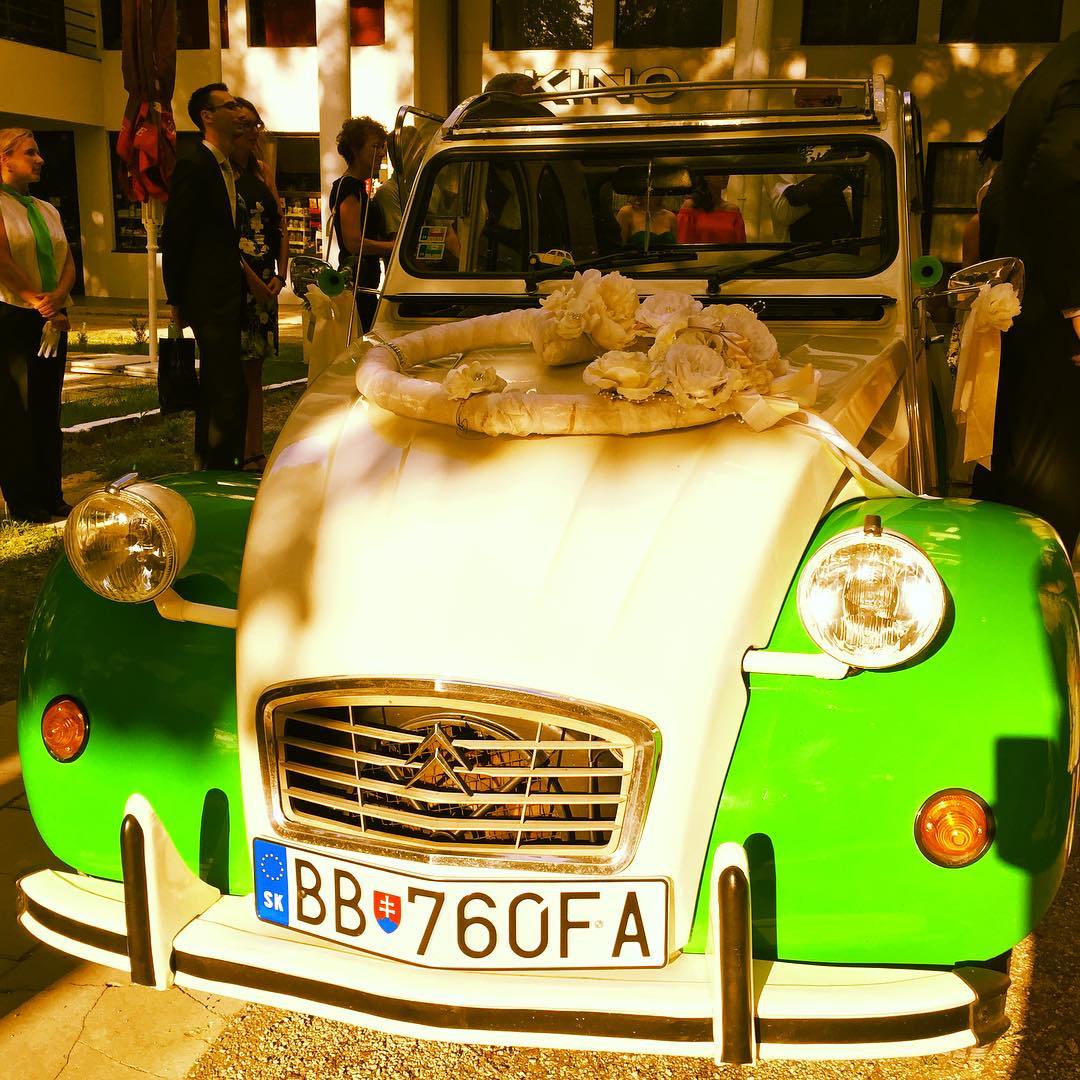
pixel 585 79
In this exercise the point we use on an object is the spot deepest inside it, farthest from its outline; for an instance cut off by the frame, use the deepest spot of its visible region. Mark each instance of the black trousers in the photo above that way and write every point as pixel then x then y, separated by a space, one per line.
pixel 1036 462
pixel 30 436
pixel 221 415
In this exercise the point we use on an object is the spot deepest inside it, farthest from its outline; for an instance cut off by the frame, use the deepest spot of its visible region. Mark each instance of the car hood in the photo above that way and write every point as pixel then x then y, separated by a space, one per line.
pixel 629 572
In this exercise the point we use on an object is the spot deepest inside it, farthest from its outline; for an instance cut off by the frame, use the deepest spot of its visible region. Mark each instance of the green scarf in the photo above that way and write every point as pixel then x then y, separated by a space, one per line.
pixel 46 262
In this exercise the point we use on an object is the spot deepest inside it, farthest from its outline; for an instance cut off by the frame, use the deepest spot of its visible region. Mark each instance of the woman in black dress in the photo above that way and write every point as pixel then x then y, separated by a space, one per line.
pixel 264 251
pixel 362 143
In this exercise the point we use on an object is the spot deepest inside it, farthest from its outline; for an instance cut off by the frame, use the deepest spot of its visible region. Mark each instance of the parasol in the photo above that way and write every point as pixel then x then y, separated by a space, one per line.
pixel 146 145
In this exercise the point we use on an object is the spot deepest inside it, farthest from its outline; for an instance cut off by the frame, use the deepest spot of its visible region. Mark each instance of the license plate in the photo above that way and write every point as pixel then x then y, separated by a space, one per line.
pixel 490 925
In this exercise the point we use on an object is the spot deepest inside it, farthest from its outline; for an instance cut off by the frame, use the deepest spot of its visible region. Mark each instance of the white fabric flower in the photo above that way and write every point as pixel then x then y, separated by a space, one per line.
pixel 631 375
pixel 554 348
pixel 664 308
pixel 607 332
pixel 698 375
pixel 762 345
pixel 471 378
pixel 247 246
pixel 995 307
pixel 601 306
pixel 710 318
pixel 569 303
pixel 619 296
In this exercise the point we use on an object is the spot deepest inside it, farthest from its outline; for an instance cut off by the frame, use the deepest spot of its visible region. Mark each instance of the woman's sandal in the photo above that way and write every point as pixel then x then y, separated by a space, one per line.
pixel 255 464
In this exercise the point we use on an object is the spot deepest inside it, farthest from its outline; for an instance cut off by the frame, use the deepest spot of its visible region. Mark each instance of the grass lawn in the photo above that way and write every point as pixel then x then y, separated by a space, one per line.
pixel 151 446
pixel 122 395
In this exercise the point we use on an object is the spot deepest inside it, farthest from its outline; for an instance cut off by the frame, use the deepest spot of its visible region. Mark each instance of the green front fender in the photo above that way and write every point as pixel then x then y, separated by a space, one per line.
pixel 827 777
pixel 161 699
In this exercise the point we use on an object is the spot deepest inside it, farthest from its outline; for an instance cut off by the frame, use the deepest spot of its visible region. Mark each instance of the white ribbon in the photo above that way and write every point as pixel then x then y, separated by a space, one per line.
pixel 978 369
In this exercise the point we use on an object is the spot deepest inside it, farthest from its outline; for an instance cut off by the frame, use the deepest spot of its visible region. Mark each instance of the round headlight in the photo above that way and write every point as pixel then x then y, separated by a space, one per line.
pixel 871 598
pixel 129 543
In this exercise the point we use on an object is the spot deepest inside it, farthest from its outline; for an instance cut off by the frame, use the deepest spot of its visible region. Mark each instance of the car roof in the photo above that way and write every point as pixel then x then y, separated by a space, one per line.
pixel 732 106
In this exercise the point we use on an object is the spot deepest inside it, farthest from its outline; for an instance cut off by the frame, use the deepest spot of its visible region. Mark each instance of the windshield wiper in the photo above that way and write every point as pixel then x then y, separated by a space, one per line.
pixel 540 272
pixel 791 254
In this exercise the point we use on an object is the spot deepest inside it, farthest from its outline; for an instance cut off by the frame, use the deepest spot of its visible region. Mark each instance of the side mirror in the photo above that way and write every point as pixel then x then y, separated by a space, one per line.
pixel 965 284
pixel 308 270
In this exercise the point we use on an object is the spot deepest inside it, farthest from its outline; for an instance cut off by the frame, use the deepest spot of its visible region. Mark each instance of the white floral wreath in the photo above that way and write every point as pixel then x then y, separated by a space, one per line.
pixel 668 362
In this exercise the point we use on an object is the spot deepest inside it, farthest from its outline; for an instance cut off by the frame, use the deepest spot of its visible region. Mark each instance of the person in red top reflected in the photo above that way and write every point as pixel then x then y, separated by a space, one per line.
pixel 707 218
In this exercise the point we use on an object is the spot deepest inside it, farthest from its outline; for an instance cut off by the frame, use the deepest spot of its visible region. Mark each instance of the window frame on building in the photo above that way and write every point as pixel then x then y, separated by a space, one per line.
pixel 1008 36
pixel 933 208
pixel 497 44
pixel 812 9
pixel 192 25
pixel 711 13
pixel 367 24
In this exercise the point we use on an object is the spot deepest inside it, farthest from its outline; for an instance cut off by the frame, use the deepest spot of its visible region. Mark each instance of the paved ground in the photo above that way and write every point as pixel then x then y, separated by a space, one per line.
pixel 62 1019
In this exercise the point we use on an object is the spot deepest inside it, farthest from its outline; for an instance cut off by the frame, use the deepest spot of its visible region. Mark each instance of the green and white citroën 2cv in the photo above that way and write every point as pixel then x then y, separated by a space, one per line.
pixel 595 665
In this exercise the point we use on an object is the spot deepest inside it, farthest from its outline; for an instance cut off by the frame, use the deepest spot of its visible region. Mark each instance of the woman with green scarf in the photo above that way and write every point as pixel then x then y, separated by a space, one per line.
pixel 36 276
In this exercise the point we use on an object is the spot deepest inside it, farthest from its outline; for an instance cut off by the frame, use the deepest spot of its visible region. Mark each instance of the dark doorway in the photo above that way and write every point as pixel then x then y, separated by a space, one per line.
pixel 59 185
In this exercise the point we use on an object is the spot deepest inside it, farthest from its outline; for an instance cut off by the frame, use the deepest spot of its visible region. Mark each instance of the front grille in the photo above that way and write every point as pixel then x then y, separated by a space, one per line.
pixel 445 774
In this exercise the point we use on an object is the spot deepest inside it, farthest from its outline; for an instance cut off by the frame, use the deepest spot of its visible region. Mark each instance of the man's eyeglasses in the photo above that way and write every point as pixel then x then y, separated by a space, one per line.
pixel 232 106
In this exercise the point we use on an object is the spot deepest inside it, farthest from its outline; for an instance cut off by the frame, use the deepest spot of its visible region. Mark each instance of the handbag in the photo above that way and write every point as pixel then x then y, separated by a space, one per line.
pixel 178 385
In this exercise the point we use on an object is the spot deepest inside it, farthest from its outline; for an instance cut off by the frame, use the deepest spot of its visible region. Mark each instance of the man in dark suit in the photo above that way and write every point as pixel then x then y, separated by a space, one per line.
pixel 1036 195
pixel 204 279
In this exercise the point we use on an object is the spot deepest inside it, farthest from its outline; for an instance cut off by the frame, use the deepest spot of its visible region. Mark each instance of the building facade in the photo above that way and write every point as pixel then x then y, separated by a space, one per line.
pixel 962 59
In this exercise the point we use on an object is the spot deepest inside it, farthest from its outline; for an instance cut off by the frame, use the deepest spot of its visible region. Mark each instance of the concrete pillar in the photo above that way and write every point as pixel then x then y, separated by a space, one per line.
pixel 213 14
pixel 334 64
pixel 753 40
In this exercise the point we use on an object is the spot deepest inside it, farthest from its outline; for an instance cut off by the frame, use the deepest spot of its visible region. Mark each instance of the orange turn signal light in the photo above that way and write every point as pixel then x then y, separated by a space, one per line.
pixel 65 729
pixel 954 828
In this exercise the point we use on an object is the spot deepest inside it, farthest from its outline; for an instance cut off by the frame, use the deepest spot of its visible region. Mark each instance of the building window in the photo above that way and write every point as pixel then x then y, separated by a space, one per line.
pixel 297 172
pixel 284 24
pixel 859 22
pixel 281 23
pixel 668 23
pixel 128 228
pixel 541 24
pixel 954 175
pixel 192 24
pixel 367 20
pixel 990 22
pixel 41 24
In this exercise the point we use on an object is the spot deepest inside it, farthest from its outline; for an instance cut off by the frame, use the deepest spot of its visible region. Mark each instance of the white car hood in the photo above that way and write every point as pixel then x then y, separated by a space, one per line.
pixel 630 572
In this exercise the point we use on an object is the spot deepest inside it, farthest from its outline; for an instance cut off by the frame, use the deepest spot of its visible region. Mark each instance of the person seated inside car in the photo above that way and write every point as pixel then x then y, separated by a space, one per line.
pixel 706 217
pixel 640 219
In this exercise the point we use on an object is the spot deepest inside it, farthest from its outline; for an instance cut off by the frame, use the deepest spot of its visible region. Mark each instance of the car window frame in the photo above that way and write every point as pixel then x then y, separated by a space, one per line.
pixel 891 217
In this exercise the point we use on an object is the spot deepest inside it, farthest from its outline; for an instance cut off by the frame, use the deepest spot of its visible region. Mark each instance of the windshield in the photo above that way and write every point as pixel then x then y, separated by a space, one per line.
pixel 501 212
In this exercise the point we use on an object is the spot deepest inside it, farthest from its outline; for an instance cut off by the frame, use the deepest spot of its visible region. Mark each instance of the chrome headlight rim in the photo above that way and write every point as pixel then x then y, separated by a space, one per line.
pixel 170 516
pixel 872 532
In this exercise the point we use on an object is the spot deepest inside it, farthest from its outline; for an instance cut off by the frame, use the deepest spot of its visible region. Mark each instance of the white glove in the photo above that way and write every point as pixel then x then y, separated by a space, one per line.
pixel 50 338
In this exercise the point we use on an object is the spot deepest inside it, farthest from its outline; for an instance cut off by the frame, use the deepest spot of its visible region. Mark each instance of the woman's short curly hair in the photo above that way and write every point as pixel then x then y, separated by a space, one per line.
pixel 354 132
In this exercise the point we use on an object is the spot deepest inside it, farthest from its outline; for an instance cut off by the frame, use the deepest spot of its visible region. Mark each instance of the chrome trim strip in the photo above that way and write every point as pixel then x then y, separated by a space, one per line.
pixel 441 693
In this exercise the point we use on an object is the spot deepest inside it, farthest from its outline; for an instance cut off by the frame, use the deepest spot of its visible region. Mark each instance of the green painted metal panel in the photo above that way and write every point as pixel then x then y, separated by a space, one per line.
pixel 161 698
pixel 827 777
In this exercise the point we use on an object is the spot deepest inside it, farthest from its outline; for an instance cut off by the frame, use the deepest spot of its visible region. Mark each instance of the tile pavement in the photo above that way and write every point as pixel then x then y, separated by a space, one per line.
pixel 61 1018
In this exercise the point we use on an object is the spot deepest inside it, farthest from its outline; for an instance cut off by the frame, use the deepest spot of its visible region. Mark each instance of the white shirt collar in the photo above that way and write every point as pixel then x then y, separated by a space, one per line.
pixel 221 159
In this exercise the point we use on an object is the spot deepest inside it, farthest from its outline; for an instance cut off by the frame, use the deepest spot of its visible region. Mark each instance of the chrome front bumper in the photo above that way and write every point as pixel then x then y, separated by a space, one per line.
pixel 164 925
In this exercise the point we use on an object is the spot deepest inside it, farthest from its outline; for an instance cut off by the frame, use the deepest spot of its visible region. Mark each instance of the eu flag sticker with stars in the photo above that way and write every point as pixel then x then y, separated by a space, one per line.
pixel 271 882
